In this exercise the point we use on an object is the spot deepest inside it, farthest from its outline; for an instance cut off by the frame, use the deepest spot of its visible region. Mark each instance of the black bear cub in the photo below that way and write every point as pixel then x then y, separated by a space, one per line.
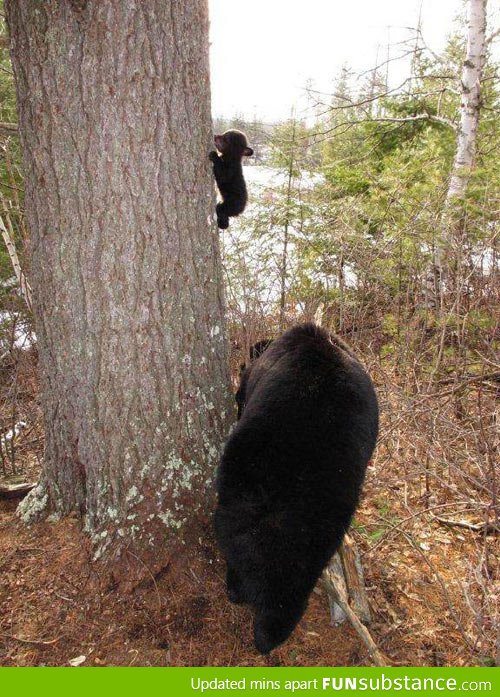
pixel 291 473
pixel 228 173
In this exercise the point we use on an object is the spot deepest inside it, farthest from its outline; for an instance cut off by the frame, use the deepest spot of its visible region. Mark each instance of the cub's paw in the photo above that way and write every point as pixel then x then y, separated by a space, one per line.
pixel 222 222
pixel 212 156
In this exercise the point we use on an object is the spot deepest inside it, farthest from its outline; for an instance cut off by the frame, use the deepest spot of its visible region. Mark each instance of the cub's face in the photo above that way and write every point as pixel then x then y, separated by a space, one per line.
pixel 233 144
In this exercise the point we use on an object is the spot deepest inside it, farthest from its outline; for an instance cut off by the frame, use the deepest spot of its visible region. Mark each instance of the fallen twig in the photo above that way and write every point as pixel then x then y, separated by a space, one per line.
pixel 8 128
pixel 483 528
pixel 41 642
pixel 397 526
pixel 336 588
pixel 495 377
pixel 15 491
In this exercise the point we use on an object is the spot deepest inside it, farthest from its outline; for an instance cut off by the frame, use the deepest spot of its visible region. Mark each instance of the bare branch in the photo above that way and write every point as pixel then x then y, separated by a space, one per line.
pixel 20 275
pixel 388 119
pixel 336 588
pixel 483 528
pixel 9 128
pixel 492 37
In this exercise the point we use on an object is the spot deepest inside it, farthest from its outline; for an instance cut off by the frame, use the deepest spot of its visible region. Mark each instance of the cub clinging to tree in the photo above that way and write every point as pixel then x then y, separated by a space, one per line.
pixel 228 172
pixel 291 473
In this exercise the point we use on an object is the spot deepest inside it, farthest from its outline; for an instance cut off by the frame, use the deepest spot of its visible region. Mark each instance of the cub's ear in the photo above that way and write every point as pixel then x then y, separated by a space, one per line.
pixel 248 152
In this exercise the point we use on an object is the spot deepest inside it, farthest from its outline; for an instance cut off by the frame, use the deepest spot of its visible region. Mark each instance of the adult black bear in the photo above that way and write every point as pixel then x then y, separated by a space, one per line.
pixel 291 473
pixel 228 173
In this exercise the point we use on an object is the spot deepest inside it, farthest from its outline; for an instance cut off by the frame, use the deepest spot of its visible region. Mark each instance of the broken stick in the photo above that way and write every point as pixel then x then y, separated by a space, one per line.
pixel 343 579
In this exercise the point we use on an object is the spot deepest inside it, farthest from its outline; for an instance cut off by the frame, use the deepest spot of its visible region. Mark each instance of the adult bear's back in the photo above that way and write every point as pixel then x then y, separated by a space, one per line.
pixel 308 404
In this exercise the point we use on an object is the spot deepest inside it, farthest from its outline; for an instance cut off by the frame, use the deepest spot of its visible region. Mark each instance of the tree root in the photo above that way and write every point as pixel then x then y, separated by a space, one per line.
pixel 34 506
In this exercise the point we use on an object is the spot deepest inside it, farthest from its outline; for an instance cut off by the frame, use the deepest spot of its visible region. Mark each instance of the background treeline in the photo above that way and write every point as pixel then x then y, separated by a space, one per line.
pixel 352 212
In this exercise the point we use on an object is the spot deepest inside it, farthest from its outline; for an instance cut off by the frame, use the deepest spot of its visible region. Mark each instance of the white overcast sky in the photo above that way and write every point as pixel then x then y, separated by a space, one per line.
pixel 263 52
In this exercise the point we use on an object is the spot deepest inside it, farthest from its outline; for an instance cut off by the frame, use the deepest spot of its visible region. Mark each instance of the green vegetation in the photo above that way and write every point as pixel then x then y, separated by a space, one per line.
pixel 354 219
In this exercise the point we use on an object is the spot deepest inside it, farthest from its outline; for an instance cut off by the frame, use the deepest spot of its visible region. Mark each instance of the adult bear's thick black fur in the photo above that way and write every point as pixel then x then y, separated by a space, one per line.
pixel 291 473
pixel 258 348
pixel 228 173
pixel 255 351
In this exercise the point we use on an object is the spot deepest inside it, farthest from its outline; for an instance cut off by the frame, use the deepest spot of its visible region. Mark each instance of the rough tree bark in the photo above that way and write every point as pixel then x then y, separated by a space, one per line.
pixel 115 123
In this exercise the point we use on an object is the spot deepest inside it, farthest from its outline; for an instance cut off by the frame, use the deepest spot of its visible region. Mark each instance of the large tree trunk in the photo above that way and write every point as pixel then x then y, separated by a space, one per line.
pixel 114 117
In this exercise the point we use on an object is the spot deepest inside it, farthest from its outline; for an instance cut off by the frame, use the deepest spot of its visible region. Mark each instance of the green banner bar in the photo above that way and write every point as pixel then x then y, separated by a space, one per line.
pixel 246 681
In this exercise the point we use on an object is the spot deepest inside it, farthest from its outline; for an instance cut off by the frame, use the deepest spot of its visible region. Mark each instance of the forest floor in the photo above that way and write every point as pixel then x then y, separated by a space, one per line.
pixel 433 586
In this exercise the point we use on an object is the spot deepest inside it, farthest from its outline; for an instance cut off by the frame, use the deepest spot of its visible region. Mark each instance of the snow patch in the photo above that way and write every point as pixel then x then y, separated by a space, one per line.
pixel 13 432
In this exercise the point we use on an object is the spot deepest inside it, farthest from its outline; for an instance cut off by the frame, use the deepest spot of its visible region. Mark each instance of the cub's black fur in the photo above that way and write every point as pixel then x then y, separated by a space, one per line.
pixel 291 474
pixel 228 173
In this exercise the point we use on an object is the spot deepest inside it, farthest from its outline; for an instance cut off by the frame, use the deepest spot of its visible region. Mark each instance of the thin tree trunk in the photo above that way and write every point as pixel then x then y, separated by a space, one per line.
pixel 470 106
pixel 341 283
pixel 465 154
pixel 284 255
pixel 24 285
pixel 115 123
